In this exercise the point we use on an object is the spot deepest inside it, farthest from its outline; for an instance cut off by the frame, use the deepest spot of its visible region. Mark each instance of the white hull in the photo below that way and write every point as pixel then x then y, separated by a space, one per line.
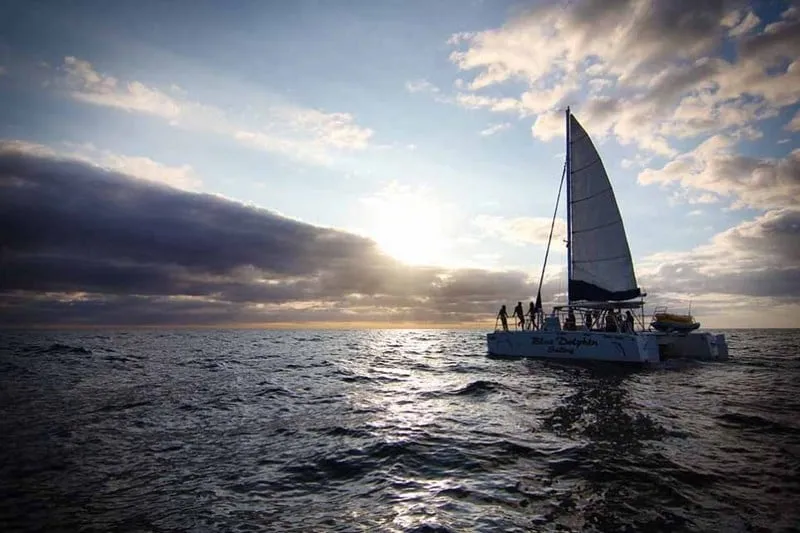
pixel 701 346
pixel 643 347
pixel 575 345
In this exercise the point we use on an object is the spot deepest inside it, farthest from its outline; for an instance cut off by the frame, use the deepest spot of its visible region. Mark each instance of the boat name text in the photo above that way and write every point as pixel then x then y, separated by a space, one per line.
pixel 574 342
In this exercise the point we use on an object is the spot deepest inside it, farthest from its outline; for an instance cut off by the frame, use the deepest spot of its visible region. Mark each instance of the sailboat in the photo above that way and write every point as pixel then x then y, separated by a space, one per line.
pixel 598 321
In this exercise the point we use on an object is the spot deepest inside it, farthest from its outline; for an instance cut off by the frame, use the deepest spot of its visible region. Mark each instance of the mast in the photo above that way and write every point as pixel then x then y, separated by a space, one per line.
pixel 569 207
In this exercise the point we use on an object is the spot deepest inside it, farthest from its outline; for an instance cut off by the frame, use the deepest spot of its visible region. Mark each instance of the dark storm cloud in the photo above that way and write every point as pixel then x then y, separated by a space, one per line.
pixel 58 207
pixel 81 244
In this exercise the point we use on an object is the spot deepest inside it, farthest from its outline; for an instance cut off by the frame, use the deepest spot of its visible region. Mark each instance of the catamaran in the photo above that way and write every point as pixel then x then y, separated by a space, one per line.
pixel 599 319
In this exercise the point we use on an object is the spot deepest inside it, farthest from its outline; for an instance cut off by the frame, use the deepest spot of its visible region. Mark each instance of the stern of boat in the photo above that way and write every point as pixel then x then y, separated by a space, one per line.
pixel 576 345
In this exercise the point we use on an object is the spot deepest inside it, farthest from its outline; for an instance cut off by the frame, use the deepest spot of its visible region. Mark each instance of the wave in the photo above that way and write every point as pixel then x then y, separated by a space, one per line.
pixel 430 528
pixel 479 388
pixel 122 407
pixel 340 431
pixel 335 436
pixel 66 348
pixel 273 391
pixel 755 422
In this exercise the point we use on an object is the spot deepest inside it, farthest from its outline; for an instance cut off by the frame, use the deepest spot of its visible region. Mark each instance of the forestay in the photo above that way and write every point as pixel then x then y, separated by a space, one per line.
pixel 602 269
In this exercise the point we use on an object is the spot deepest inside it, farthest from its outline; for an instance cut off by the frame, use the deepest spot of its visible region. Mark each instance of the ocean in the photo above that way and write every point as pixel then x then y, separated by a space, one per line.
pixel 390 430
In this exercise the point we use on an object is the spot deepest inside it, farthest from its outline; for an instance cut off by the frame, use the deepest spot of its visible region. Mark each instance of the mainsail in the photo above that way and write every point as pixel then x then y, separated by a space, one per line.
pixel 601 268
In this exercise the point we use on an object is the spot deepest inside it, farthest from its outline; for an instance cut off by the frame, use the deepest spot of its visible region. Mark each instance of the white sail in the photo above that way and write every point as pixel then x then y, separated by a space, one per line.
pixel 602 269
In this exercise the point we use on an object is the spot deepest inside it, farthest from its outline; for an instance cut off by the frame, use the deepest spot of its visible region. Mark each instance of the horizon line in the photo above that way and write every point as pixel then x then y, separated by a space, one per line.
pixel 293 326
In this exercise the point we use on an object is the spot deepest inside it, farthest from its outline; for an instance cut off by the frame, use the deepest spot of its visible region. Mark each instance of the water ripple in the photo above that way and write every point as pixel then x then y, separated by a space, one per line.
pixel 402 430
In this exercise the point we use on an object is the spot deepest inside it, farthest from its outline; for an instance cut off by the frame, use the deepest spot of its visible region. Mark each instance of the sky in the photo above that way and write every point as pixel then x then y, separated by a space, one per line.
pixel 388 163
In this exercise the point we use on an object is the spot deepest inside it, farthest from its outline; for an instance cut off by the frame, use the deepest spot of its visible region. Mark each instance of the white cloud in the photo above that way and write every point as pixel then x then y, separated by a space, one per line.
pixel 794 124
pixel 25 147
pixel 306 134
pixel 596 85
pixel 548 126
pixel 639 160
pixel 88 85
pixel 182 177
pixel 338 130
pixel 703 198
pixel 503 105
pixel 714 167
pixel 654 62
pixel 520 230
pixel 495 128
pixel 274 143
pixel 421 86
pixel 749 22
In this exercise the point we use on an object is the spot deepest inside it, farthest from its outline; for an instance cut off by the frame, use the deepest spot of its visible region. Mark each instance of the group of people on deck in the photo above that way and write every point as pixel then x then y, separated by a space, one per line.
pixel 519 315
pixel 614 321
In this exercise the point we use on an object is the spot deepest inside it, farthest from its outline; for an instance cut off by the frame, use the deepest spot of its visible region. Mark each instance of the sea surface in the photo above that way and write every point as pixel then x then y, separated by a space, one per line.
pixel 407 431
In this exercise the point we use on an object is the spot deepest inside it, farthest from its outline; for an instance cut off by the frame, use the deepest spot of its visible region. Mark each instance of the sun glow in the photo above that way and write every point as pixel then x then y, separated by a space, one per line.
pixel 410 225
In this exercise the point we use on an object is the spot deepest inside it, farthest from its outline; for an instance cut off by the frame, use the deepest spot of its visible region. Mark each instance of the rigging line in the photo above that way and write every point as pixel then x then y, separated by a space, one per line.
pixel 552 225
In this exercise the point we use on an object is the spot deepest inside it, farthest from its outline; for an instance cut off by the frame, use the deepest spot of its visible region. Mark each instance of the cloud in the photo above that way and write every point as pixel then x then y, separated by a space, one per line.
pixel 652 70
pixel 88 85
pixel 306 134
pixel 794 124
pixel 638 160
pixel 474 101
pixel 779 39
pixel 745 25
pixel 182 177
pixel 747 276
pixel 598 85
pixel 520 230
pixel 495 128
pixel 84 244
pixel 549 126
pixel 714 167
pixel 333 129
pixel 751 268
pixel 421 86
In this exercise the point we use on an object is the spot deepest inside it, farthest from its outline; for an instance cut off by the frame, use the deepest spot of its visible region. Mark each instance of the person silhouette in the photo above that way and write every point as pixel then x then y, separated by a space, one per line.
pixel 569 323
pixel 503 316
pixel 532 315
pixel 520 314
